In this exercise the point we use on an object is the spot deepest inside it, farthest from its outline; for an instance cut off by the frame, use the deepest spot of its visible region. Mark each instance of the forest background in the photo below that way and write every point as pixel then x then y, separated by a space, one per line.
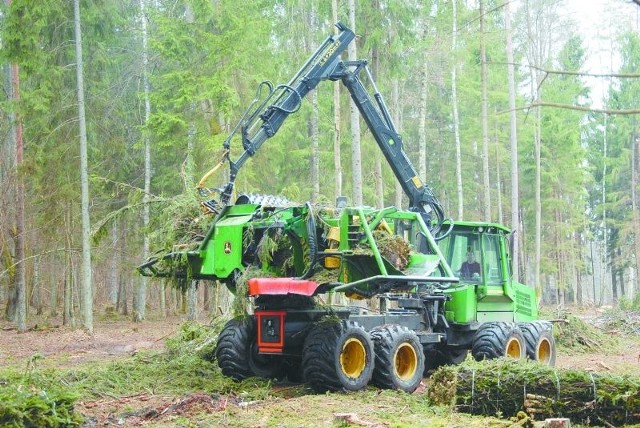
pixel 112 111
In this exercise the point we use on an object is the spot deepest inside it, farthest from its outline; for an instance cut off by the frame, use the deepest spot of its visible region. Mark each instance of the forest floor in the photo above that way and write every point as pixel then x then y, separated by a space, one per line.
pixel 53 346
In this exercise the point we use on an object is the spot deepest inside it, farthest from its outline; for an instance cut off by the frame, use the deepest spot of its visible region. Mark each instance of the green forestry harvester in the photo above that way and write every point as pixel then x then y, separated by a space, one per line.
pixel 433 302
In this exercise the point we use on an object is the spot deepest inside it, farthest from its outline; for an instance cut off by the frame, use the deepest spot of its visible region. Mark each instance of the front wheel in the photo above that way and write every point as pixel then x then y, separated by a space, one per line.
pixel 399 358
pixel 337 355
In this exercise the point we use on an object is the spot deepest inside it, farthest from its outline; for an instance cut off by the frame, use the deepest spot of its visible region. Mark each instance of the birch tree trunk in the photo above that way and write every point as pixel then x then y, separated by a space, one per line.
pixel 513 138
pixel 456 119
pixel 485 120
pixel 356 156
pixel 337 161
pixel 141 300
pixel 87 285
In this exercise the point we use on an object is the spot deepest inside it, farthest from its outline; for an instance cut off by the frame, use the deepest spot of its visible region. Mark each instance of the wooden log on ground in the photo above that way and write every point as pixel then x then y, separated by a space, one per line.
pixel 507 387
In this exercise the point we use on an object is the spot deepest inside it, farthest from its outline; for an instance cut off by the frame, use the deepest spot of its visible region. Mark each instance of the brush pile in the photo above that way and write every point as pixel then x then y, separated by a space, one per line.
pixel 507 387
pixel 27 406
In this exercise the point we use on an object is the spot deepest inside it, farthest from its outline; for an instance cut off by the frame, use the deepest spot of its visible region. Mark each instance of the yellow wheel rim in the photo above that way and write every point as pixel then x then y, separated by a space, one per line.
pixel 513 348
pixel 406 362
pixel 544 351
pixel 353 358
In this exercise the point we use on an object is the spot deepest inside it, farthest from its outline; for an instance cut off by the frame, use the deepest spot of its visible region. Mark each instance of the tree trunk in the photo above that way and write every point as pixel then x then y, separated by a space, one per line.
pixel 396 113
pixel 192 297
pixel 68 316
pixel 163 298
pixel 356 157
pixel 635 208
pixel 486 183
pixel 20 309
pixel 112 277
pixel 614 287
pixel 53 293
pixel 456 118
pixel 206 304
pixel 513 138
pixel 122 301
pixel 36 299
pixel 422 121
pixel 337 161
pixel 87 284
pixel 536 58
pixel 139 310
pixel 315 147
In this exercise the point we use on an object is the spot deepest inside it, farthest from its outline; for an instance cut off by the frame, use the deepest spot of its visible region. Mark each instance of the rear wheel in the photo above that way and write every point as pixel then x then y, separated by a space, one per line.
pixel 337 356
pixel 399 362
pixel 237 352
pixel 540 344
pixel 498 339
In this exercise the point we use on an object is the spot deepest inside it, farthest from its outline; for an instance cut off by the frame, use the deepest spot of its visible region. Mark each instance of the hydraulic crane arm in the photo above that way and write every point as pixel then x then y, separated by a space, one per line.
pixel 378 119
pixel 325 64
pixel 256 129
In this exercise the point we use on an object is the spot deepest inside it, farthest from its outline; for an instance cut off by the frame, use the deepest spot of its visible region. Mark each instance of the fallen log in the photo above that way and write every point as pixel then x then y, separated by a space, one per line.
pixel 506 387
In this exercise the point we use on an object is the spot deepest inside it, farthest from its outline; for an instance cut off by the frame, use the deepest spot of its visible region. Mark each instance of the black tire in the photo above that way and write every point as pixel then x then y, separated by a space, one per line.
pixel 498 339
pixel 538 337
pixel 399 362
pixel 337 356
pixel 237 352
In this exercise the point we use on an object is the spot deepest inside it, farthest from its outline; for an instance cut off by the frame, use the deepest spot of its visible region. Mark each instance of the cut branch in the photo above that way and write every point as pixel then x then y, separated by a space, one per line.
pixel 575 107
pixel 573 73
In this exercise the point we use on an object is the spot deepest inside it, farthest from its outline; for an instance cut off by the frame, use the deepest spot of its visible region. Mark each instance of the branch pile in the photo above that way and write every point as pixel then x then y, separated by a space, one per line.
pixel 581 337
pixel 507 387
pixel 26 406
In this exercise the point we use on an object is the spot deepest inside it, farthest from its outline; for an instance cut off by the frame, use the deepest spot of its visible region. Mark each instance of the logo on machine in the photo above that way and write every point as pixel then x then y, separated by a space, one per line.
pixel 227 247
pixel 330 51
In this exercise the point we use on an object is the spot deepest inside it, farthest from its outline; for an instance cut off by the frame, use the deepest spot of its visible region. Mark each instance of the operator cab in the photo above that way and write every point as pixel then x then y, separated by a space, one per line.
pixel 473 252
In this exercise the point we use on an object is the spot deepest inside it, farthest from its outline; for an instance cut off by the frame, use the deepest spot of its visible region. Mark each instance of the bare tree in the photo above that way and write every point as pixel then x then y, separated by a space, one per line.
pixel 456 119
pixel 87 285
pixel 485 119
pixel 19 293
pixel 139 310
pixel 337 161
pixel 356 156
pixel 513 138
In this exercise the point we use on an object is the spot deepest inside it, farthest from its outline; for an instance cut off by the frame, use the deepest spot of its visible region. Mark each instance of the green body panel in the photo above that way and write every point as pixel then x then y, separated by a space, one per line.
pixel 223 254
pixel 526 303
pixel 462 306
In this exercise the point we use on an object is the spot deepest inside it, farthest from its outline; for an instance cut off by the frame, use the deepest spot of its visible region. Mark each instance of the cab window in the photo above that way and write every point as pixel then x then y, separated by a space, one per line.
pixel 492 259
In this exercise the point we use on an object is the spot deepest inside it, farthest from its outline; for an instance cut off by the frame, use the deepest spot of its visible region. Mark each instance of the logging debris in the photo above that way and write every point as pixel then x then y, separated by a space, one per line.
pixel 506 387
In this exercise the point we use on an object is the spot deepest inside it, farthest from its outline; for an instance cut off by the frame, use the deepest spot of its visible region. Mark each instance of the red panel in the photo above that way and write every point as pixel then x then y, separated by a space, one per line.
pixel 270 347
pixel 281 286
